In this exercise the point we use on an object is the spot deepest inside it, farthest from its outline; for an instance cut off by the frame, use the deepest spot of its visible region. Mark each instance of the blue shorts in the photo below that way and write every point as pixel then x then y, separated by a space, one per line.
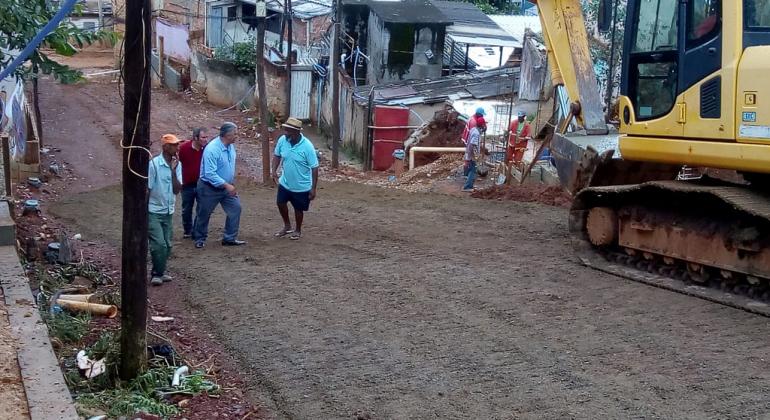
pixel 299 200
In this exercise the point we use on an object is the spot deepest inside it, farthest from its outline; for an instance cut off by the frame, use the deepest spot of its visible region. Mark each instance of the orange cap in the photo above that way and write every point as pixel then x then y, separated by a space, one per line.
pixel 170 139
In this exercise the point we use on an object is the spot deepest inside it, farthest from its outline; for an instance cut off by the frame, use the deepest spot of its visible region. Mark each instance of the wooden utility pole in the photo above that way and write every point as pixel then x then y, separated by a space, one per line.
pixel 162 60
pixel 262 92
pixel 334 69
pixel 136 139
pixel 290 40
pixel 101 15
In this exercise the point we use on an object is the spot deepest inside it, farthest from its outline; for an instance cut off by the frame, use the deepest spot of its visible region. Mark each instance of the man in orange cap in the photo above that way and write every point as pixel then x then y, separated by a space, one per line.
pixel 164 180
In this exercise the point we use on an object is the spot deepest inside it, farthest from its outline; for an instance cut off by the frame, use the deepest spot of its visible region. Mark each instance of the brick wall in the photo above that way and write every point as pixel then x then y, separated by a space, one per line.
pixel 318 28
pixel 187 12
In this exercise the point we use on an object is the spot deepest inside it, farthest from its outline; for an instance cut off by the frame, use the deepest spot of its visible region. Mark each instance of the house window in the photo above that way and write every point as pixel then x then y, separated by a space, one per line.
pixel 232 13
pixel 89 26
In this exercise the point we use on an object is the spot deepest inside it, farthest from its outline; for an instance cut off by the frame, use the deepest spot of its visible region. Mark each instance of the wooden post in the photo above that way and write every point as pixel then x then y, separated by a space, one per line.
pixel 101 15
pixel 467 51
pixel 290 41
pixel 334 70
pixel 162 60
pixel 136 133
pixel 6 165
pixel 262 92
pixel 36 103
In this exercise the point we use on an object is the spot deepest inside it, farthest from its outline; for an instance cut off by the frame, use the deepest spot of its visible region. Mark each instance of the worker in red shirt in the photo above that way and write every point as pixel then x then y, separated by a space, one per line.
pixel 481 123
pixel 519 133
pixel 190 155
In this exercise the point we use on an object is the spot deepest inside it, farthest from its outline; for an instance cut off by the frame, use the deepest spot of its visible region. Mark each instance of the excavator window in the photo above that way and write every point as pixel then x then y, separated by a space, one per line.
pixel 704 22
pixel 653 61
pixel 757 13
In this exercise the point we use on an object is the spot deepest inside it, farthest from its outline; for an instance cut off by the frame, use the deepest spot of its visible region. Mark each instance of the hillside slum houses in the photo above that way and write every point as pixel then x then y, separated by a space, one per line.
pixel 416 55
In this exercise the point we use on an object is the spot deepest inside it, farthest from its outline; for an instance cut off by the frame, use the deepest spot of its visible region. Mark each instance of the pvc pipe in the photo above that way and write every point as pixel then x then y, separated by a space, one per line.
pixel 110 311
pixel 77 298
pixel 426 149
pixel 178 375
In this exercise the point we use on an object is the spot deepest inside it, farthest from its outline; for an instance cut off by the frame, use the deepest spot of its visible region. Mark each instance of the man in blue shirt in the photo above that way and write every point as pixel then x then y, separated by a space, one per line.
pixel 215 186
pixel 299 179
pixel 164 180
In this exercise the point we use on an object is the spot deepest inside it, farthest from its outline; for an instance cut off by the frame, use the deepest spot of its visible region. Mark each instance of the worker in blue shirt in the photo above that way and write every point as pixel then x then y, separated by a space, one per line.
pixel 215 186
pixel 299 180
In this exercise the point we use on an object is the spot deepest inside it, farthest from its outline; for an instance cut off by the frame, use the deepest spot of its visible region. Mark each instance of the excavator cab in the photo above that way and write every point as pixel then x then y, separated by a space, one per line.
pixel 693 81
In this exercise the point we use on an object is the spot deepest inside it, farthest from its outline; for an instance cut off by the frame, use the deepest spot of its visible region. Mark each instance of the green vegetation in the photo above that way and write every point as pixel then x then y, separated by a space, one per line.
pixel 243 55
pixel 21 20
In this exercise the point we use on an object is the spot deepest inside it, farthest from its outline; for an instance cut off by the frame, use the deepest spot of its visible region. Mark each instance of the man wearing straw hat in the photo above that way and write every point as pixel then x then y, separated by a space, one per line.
pixel 164 180
pixel 299 180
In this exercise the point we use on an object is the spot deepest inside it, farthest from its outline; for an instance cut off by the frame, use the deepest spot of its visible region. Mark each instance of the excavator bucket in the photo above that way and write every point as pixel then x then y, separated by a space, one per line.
pixel 593 161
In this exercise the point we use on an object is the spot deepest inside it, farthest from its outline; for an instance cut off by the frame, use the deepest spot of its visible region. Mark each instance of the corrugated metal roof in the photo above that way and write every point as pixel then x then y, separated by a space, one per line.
pixel 458 58
pixel 403 11
pixel 473 27
pixel 468 85
pixel 303 9
pixel 517 25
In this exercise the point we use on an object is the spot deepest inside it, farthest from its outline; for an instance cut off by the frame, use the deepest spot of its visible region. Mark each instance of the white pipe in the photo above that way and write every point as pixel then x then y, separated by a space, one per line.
pixel 178 375
pixel 426 149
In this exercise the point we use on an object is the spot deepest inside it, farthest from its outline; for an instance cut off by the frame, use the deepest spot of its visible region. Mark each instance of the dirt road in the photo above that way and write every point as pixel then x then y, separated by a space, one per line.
pixel 398 305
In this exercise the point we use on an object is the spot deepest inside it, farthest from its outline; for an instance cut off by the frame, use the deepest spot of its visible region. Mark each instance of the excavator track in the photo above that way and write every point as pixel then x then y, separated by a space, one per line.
pixel 702 239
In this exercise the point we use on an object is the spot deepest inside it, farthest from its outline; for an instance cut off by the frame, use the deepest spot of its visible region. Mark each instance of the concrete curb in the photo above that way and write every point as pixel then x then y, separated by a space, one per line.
pixel 47 393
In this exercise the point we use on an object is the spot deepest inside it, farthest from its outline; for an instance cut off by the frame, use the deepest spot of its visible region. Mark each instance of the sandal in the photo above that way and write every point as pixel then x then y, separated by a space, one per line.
pixel 295 236
pixel 283 232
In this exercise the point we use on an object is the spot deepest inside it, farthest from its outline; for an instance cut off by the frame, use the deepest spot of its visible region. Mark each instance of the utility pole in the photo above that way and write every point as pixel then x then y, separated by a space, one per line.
pixel 101 15
pixel 334 69
pixel 290 41
pixel 136 142
pixel 264 133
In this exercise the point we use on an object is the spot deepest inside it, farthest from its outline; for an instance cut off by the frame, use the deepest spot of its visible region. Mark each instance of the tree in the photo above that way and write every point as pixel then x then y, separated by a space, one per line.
pixel 20 21
pixel 600 44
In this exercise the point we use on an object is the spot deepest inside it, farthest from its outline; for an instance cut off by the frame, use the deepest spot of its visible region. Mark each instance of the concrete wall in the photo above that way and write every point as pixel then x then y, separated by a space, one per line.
pixel 173 78
pixel 225 85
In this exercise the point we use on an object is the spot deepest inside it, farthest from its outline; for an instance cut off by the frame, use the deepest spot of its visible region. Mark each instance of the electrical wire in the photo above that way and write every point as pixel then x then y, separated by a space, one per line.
pixel 131 146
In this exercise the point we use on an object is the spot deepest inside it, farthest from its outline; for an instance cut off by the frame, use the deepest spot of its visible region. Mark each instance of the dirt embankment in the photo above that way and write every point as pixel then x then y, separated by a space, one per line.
pixel 535 193
pixel 445 130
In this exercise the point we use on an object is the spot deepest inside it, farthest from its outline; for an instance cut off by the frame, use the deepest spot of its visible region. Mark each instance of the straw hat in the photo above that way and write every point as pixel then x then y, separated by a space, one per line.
pixel 293 123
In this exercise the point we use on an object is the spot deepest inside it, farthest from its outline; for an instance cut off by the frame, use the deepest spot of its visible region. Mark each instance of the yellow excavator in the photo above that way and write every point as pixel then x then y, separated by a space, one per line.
pixel 693 94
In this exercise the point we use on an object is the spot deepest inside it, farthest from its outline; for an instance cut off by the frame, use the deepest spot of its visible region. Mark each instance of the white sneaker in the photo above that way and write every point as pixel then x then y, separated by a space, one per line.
pixel 166 278
pixel 156 281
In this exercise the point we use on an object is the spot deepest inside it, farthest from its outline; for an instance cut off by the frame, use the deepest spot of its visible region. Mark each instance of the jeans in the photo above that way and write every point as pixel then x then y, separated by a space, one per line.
pixel 471 175
pixel 208 198
pixel 189 196
pixel 159 232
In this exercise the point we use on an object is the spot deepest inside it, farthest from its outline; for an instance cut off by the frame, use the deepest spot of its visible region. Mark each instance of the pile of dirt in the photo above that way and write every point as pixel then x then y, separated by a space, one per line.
pixel 444 130
pixel 533 193
pixel 441 168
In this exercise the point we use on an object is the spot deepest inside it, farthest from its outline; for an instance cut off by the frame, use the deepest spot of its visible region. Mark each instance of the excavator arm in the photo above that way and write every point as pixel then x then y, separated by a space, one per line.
pixel 569 59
